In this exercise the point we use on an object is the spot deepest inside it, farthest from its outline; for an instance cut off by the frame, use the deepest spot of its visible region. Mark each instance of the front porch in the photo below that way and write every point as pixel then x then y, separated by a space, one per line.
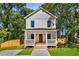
pixel 47 37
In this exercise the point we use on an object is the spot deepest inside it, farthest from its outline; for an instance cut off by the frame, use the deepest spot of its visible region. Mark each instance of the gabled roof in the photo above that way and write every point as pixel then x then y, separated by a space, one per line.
pixel 37 11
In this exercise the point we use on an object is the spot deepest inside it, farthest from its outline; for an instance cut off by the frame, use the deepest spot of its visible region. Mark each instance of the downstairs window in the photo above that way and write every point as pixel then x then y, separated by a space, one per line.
pixel 32 36
pixel 48 36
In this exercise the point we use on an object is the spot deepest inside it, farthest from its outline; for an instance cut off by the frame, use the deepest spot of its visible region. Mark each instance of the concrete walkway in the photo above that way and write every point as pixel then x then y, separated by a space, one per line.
pixel 9 52
pixel 40 50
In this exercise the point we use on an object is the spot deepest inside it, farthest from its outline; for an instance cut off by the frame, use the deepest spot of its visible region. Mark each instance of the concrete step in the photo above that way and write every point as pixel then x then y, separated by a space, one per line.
pixel 40 46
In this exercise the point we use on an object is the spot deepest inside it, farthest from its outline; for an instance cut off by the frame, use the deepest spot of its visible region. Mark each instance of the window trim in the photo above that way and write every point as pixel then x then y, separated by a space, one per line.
pixel 32 23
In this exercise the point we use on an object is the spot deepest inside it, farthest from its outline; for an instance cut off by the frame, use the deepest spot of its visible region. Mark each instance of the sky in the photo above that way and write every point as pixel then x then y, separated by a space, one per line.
pixel 33 5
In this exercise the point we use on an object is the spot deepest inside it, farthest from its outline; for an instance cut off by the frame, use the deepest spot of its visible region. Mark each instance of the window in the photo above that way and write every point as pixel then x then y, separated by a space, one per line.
pixel 48 36
pixel 32 36
pixel 32 23
pixel 48 23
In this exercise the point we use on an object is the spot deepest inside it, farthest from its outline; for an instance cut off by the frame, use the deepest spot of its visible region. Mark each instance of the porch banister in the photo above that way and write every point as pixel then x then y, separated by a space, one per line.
pixel 25 35
pixel 46 38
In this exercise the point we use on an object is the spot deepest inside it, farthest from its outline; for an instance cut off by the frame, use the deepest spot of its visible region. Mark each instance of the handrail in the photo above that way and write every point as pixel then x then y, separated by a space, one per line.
pixel 51 40
pixel 30 41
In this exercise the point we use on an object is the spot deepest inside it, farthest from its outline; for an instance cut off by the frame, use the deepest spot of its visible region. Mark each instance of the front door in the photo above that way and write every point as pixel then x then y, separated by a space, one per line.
pixel 40 38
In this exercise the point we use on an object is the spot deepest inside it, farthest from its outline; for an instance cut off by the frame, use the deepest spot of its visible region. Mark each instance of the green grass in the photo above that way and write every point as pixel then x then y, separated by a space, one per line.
pixel 11 48
pixel 27 51
pixel 64 51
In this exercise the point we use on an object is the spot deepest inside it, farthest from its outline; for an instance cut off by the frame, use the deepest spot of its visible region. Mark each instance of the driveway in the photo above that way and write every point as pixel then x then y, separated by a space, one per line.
pixel 9 52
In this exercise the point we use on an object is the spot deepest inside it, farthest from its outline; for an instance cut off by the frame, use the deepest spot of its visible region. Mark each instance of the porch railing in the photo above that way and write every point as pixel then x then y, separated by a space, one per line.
pixel 51 42
pixel 29 42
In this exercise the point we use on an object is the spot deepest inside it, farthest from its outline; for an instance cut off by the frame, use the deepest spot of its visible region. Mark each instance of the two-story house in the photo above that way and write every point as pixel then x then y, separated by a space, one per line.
pixel 40 28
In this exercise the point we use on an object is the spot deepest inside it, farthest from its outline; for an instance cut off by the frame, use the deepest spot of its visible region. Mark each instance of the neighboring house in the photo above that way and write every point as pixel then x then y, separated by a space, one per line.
pixel 40 28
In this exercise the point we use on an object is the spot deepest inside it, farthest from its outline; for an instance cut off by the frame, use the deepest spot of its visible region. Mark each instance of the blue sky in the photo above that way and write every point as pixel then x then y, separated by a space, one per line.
pixel 33 5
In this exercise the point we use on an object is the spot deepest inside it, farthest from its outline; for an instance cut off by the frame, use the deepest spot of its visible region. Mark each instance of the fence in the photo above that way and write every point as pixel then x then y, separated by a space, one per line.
pixel 10 43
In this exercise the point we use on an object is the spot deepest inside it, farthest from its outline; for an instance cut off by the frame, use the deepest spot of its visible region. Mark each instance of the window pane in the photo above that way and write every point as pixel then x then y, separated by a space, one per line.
pixel 49 23
pixel 32 23
pixel 48 36
pixel 32 36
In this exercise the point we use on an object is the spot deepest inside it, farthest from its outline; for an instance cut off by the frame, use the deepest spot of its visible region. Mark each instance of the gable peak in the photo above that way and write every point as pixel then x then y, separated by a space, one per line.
pixel 40 8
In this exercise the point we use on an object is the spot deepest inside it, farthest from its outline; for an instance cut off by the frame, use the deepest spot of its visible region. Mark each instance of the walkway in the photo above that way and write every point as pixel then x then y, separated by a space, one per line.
pixel 40 50
pixel 9 52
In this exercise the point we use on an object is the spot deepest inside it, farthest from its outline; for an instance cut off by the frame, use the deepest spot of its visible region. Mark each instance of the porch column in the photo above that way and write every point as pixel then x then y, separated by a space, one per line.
pixel 56 38
pixel 25 38
pixel 34 38
pixel 46 38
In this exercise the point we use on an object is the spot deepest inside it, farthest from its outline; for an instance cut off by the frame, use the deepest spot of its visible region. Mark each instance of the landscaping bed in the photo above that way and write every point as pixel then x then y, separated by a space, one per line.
pixel 63 51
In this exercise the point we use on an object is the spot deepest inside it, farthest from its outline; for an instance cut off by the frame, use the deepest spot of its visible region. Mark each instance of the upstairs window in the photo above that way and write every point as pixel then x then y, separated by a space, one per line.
pixel 32 36
pixel 48 36
pixel 32 23
pixel 48 23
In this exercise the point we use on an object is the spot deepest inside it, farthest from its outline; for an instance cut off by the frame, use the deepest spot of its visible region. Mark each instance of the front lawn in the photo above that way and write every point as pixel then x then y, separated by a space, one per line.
pixel 63 51
pixel 11 48
pixel 27 51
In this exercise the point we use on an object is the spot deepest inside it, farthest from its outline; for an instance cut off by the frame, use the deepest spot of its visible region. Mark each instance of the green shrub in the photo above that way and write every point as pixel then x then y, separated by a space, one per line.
pixel 71 37
pixel 68 46
pixel 61 45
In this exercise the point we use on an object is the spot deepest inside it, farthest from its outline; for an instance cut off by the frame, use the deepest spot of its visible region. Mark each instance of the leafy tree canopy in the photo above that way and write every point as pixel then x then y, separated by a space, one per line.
pixel 12 18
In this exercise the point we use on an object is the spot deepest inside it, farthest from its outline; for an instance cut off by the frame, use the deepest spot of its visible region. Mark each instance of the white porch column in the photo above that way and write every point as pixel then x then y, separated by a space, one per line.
pixel 56 38
pixel 46 38
pixel 34 38
pixel 25 35
pixel 25 38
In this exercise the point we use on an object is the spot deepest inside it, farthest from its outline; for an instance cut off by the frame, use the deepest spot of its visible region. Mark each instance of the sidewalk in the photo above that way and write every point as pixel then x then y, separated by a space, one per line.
pixel 40 51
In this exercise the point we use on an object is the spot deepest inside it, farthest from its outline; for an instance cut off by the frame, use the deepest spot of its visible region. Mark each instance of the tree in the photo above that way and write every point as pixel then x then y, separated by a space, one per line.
pixel 12 17
pixel 67 21
pixel 3 34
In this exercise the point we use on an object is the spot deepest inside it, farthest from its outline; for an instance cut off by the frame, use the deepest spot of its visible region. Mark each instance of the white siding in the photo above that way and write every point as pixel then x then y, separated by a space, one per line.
pixel 40 19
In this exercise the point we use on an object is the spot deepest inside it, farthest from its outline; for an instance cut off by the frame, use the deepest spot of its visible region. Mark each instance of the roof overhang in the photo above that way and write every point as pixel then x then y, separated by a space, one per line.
pixel 41 29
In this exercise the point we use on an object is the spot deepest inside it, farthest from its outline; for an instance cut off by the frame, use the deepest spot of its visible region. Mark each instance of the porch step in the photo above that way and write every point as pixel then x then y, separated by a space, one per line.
pixel 40 46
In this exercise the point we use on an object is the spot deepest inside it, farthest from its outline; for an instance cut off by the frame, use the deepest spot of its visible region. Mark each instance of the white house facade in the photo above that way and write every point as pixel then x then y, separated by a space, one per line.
pixel 40 28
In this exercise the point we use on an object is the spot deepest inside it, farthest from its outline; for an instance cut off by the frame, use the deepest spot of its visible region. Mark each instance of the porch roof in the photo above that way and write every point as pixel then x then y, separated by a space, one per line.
pixel 41 29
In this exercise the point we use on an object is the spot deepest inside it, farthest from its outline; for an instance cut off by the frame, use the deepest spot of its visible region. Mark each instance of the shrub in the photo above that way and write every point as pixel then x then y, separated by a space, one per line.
pixel 70 37
pixel 62 41
pixel 68 46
